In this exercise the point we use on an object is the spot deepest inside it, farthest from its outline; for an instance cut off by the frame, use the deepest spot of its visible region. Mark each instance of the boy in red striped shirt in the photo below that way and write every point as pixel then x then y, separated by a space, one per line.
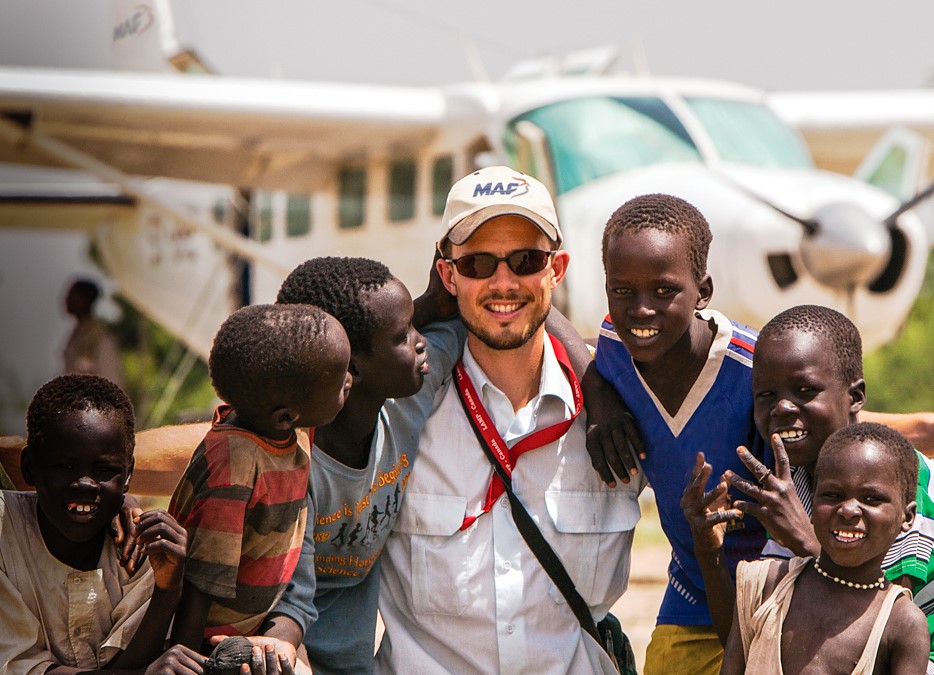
pixel 242 498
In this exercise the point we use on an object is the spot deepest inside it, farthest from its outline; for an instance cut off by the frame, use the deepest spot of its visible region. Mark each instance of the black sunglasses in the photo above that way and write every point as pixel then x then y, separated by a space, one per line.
pixel 483 265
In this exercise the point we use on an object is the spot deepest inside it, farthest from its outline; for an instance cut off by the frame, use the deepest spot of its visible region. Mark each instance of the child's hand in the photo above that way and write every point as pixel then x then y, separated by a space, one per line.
pixel 123 531
pixel 613 446
pixel 270 656
pixel 707 512
pixel 777 505
pixel 613 441
pixel 163 540
pixel 178 660
pixel 436 303
pixel 267 661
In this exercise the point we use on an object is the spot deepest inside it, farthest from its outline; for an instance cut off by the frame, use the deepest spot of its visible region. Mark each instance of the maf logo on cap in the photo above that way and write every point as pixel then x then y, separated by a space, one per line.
pixel 497 191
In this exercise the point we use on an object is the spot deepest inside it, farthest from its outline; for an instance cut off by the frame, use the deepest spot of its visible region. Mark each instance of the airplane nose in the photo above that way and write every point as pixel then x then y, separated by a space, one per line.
pixel 849 247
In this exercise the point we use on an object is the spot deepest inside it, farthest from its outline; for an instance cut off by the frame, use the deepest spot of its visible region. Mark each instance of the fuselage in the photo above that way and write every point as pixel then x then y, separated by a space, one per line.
pixel 596 142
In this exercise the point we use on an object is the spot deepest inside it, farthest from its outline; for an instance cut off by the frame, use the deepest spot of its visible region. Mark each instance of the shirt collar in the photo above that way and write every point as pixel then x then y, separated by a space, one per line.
pixel 721 340
pixel 553 382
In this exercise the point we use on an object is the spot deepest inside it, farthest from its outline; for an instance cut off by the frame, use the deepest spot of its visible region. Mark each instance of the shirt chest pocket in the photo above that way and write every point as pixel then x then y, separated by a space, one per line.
pixel 441 558
pixel 593 538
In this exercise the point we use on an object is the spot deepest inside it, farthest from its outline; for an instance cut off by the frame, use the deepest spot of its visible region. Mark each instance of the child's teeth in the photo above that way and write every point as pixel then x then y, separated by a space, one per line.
pixel 792 435
pixel 849 536
pixel 644 332
pixel 81 508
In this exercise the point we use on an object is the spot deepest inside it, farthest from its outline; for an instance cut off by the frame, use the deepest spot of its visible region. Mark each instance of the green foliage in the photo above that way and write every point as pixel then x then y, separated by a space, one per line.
pixel 899 376
pixel 150 356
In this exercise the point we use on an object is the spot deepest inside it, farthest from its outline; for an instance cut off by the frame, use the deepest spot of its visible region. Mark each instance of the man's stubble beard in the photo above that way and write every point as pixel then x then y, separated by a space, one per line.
pixel 504 342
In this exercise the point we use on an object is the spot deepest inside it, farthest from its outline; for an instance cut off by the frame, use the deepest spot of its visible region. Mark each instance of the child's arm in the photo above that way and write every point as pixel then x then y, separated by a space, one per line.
pixel 435 304
pixel 918 427
pixel 163 541
pixel 908 639
pixel 734 657
pixel 177 660
pixel 612 439
pixel 191 617
pixel 295 612
pixel 707 515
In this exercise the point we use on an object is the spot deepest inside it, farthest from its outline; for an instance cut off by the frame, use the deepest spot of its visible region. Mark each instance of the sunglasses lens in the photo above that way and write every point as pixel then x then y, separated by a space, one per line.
pixel 483 265
pixel 528 262
pixel 477 265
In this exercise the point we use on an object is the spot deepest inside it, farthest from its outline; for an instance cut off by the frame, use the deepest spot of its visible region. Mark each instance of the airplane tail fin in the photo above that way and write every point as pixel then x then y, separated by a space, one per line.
pixel 144 39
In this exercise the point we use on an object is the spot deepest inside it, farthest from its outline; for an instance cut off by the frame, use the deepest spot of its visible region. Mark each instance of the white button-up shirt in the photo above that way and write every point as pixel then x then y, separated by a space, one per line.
pixel 52 613
pixel 478 601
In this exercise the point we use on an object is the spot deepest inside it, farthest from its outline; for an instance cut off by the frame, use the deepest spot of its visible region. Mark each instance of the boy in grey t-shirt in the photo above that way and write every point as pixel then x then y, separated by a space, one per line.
pixel 360 461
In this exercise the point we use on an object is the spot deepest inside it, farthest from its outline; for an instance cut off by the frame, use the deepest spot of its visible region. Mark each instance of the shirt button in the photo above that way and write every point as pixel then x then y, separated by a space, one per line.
pixel 510 628
pixel 77 580
pixel 507 565
pixel 504 502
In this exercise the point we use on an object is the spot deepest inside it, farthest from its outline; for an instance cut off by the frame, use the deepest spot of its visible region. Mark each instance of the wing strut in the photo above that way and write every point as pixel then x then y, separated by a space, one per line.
pixel 16 135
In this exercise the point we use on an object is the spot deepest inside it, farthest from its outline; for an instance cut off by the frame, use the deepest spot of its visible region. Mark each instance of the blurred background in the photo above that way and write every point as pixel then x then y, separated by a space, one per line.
pixel 795 45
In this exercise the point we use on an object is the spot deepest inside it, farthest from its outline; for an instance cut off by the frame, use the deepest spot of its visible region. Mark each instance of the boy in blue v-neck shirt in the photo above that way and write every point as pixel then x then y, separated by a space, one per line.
pixel 685 374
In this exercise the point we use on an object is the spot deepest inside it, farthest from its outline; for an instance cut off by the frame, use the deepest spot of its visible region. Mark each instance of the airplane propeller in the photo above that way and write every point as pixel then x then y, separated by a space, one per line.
pixel 844 246
pixel 847 248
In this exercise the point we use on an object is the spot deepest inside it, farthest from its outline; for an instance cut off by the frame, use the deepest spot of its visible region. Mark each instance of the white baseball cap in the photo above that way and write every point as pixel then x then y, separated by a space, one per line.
pixel 497 191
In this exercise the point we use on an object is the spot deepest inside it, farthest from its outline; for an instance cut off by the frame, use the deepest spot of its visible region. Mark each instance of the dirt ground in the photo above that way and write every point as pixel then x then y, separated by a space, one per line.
pixel 648 577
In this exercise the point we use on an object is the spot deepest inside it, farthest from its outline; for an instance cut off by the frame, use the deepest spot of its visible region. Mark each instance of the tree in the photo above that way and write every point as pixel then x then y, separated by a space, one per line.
pixel 899 376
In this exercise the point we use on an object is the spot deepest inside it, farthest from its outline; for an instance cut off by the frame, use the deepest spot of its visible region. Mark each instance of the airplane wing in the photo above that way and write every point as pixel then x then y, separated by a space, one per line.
pixel 842 127
pixel 249 133
pixel 50 198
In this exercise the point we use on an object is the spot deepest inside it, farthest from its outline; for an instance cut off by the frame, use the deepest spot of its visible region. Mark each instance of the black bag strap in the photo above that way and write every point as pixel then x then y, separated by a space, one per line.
pixel 536 541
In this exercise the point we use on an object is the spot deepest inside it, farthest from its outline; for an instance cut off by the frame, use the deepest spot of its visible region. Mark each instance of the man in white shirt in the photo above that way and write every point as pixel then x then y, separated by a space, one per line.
pixel 461 592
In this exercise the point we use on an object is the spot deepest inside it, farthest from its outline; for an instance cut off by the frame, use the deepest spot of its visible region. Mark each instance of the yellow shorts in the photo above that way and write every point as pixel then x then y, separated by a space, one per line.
pixel 683 650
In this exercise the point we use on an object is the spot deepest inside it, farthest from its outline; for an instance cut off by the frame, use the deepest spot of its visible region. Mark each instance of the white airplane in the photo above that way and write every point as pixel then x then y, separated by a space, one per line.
pixel 331 169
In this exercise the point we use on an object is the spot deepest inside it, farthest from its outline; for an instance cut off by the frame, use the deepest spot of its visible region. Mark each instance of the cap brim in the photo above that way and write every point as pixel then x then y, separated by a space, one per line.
pixel 470 223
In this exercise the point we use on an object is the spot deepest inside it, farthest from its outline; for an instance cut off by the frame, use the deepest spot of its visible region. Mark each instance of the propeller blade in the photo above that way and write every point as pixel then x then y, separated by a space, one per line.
pixel 809 224
pixel 909 204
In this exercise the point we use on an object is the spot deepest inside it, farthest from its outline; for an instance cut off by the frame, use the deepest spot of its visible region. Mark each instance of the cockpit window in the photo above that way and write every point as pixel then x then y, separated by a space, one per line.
pixel 589 138
pixel 749 133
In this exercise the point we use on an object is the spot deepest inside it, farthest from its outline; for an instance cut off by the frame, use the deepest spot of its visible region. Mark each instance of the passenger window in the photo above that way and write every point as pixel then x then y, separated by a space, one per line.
pixel 220 211
pixel 262 231
pixel 402 190
pixel 442 178
pixel 298 215
pixel 352 207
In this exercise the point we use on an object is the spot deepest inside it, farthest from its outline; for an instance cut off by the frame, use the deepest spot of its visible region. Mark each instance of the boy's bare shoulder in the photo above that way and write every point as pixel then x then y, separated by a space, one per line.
pixel 906 642
pixel 778 569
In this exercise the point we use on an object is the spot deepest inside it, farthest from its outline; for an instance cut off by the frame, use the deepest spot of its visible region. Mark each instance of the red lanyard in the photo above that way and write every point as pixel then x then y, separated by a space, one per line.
pixel 507 456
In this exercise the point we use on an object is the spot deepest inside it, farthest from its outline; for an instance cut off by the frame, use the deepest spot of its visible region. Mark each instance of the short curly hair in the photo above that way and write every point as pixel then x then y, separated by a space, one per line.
pixel 668 214
pixel 87 289
pixel 77 393
pixel 262 353
pixel 899 451
pixel 336 286
pixel 845 344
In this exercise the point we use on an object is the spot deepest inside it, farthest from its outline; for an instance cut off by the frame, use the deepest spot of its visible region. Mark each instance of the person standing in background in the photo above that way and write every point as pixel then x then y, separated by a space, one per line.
pixel 92 347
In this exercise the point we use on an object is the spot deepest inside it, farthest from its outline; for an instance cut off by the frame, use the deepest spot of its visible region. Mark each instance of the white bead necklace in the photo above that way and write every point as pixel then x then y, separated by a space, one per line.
pixel 878 583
